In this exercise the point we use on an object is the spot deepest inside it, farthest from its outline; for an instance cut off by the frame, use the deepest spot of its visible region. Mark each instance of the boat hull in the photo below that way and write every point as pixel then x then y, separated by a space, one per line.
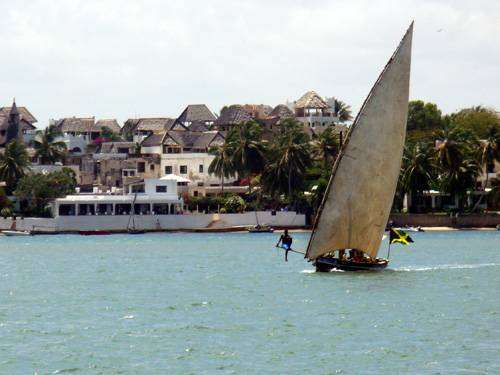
pixel 136 231
pixel 94 232
pixel 327 264
pixel 16 233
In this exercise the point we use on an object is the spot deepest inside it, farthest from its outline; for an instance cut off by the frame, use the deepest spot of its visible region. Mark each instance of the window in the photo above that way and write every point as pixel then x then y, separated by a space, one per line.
pixel 151 167
pixel 168 169
pixel 195 193
pixel 161 189
pixel 171 150
pixel 138 188
pixel 125 173
pixel 122 150
pixel 184 169
pixel 200 168
pixel 141 167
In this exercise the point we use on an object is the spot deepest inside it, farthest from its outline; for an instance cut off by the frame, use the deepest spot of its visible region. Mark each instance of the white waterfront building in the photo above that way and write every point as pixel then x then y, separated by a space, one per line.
pixel 154 196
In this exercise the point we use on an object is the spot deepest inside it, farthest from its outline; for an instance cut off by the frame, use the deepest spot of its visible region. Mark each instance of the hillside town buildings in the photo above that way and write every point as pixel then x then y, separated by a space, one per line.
pixel 108 158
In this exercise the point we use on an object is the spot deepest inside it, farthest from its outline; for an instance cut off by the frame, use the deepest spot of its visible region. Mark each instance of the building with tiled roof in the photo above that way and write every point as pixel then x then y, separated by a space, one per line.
pixel 140 128
pixel 86 126
pixel 196 113
pixel 233 115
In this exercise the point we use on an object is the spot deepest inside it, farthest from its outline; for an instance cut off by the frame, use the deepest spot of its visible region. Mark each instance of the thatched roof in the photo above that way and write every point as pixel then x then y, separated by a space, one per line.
pixel 109 123
pixel 24 114
pixel 196 113
pixel 76 124
pixel 188 139
pixel 154 124
pixel 199 127
pixel 112 147
pixel 282 111
pixel 153 139
pixel 311 100
pixel 259 111
pixel 86 125
pixel 234 114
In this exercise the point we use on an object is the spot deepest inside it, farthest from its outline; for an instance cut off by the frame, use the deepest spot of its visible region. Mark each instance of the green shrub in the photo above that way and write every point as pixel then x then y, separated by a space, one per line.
pixel 6 212
pixel 235 204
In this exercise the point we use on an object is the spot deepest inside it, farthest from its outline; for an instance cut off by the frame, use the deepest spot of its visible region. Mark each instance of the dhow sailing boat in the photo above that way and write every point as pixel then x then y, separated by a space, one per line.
pixel 354 211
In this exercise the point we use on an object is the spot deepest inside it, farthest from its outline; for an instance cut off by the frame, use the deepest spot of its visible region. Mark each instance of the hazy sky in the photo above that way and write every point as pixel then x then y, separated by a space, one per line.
pixel 126 58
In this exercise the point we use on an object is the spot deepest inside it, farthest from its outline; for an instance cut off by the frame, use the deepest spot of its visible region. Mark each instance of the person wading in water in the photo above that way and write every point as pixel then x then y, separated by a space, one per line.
pixel 286 243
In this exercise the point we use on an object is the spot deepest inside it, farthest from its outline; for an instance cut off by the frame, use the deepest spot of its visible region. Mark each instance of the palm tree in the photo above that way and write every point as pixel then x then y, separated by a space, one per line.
pixel 490 150
pixel 47 148
pixel 222 165
pixel 416 172
pixel 342 110
pixel 458 166
pixel 13 164
pixel 247 149
pixel 289 159
pixel 326 147
pixel 489 153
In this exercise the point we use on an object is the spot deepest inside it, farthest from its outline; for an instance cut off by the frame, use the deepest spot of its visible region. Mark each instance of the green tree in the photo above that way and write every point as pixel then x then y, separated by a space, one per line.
pixel 342 110
pixel 457 164
pixel 326 147
pixel 247 149
pixel 13 164
pixel 47 148
pixel 108 134
pixel 289 158
pixel 35 191
pixel 490 150
pixel 489 154
pixel 222 165
pixel 477 119
pixel 423 115
pixel 417 170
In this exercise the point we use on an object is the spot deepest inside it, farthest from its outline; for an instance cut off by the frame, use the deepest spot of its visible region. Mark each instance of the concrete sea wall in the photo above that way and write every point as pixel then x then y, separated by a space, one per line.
pixel 167 222
pixel 462 221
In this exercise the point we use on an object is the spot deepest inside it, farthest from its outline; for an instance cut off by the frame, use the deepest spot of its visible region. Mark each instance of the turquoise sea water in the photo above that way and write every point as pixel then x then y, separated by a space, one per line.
pixel 229 304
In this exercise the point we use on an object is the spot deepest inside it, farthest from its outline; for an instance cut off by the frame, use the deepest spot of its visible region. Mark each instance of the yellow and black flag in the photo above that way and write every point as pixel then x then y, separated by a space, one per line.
pixel 398 236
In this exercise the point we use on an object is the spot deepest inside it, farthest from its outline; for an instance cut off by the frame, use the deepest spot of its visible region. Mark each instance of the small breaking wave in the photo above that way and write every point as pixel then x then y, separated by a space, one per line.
pixel 445 267
pixel 314 271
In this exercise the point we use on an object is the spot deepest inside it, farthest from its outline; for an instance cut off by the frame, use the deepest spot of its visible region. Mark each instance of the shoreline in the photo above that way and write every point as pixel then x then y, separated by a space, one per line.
pixel 240 229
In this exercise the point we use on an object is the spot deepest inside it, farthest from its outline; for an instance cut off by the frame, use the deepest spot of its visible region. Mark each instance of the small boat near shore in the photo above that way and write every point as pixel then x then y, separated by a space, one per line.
pixel 135 231
pixel 12 233
pixel 94 232
pixel 264 228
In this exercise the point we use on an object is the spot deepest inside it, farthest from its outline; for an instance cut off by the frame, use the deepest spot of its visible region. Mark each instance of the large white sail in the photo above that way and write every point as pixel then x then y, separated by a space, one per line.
pixel 358 199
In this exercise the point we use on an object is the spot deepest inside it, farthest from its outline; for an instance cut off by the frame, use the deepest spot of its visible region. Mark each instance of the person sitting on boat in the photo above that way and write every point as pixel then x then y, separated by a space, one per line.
pixel 356 256
pixel 341 254
pixel 286 243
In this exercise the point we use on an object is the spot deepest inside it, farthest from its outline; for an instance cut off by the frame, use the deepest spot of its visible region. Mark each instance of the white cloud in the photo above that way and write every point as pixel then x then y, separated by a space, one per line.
pixel 126 58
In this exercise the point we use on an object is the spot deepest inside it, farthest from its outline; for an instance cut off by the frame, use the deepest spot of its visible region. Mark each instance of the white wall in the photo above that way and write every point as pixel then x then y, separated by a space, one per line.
pixel 193 162
pixel 166 222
